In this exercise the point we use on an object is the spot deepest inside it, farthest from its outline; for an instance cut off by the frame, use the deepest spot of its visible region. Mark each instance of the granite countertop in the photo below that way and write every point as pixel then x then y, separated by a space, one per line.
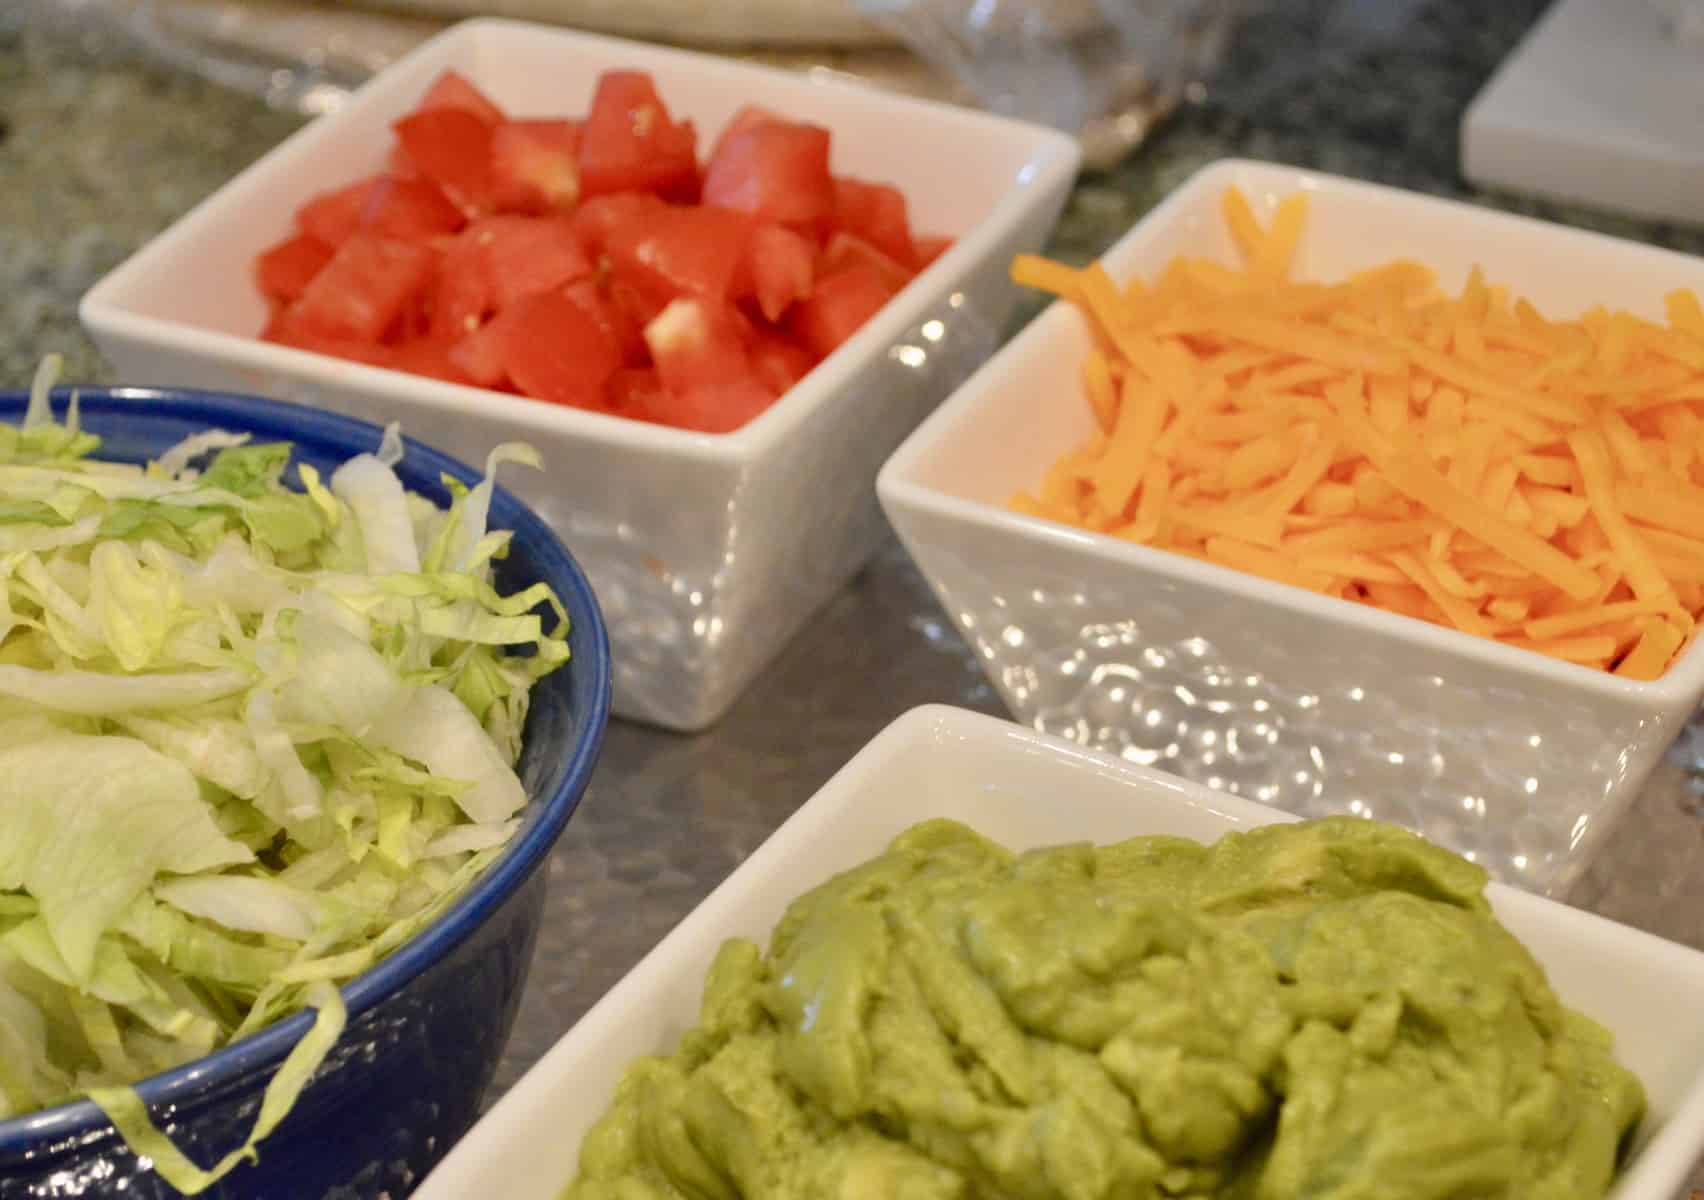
pixel 101 150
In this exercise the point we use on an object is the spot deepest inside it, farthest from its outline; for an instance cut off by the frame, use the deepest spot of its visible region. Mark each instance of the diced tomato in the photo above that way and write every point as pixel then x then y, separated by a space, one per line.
pixel 600 216
pixel 779 263
pixel 287 268
pixel 630 143
pixel 479 354
pixel 929 249
pixel 876 213
pixel 775 170
pixel 526 255
pixel 837 306
pixel 748 116
pixel 696 341
pixel 672 251
pixel 553 350
pixel 636 392
pixel 844 249
pixel 721 406
pixel 428 356
pixel 363 288
pixel 620 324
pixel 640 305
pixel 461 290
pixel 535 166
pixel 778 362
pixel 453 90
pixel 332 216
pixel 287 330
pixel 411 209
pixel 452 148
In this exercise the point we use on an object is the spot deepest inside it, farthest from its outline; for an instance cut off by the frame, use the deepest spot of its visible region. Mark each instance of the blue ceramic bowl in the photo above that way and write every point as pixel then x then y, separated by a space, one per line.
pixel 427 1025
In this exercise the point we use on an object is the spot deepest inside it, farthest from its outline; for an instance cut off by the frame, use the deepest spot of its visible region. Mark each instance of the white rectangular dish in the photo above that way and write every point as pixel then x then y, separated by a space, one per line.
pixel 1026 789
pixel 1296 699
pixel 707 551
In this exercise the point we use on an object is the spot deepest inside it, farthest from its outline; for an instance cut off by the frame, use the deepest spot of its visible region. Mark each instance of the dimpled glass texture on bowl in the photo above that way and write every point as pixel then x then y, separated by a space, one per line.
pixel 428 1024
pixel 1308 703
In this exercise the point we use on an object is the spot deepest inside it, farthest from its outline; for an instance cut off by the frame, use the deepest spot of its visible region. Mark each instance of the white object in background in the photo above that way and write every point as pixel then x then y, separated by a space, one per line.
pixel 707 551
pixel 1306 702
pixel 1601 104
pixel 1023 789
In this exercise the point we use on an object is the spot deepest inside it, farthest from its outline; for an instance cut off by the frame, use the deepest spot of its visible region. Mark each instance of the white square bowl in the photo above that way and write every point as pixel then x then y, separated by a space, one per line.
pixel 707 551
pixel 1026 789
pixel 1310 703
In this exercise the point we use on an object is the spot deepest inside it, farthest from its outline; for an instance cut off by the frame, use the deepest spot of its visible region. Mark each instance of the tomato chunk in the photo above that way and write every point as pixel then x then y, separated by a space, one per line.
pixel 672 251
pixel 452 148
pixel 332 216
pixel 876 213
pixel 844 249
pixel 774 170
pixel 630 143
pixel 287 268
pixel 778 362
pixel 535 166
pixel 622 327
pixel 364 287
pixel 841 302
pixel 555 351
pixel 453 90
pixel 748 116
pixel 411 209
pixel 781 268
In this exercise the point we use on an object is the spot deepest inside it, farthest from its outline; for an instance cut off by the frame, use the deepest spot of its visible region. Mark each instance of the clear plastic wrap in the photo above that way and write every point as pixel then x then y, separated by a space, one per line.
pixel 1107 70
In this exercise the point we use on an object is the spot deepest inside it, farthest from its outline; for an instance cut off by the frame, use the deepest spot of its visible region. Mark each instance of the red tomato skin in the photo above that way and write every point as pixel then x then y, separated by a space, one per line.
pixel 748 116
pixel 535 166
pixel 428 356
pixel 522 256
pixel 452 148
pixel 365 286
pixel 778 362
pixel 410 209
pixel 479 354
pixel 553 350
pixel 841 302
pixel 630 143
pixel 875 212
pixel 598 217
pixel 844 249
pixel 776 171
pixel 454 90
pixel 286 330
pixel 283 271
pixel 635 392
pixel 332 216
pixel 674 251
pixel 779 262
pixel 622 327
pixel 721 406
pixel 696 341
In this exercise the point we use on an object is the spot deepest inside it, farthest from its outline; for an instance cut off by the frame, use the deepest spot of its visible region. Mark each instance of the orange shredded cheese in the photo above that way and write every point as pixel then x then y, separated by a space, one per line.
pixel 1460 459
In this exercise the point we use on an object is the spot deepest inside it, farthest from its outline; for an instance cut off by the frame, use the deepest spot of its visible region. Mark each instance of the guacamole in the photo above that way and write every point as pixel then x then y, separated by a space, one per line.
pixel 1315 1011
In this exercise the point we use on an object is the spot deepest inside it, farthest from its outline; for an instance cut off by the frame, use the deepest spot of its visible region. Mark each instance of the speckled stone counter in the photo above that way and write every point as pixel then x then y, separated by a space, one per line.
pixel 102 150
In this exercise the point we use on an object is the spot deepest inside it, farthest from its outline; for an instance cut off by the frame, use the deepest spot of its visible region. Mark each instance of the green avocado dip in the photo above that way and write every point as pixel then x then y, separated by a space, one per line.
pixel 1315 1011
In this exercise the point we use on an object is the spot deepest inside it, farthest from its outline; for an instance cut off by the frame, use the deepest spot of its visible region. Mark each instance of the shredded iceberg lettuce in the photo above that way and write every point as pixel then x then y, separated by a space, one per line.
pixel 251 739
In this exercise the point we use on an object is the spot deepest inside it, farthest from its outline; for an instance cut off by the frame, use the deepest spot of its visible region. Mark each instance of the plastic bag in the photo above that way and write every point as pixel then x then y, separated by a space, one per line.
pixel 1107 70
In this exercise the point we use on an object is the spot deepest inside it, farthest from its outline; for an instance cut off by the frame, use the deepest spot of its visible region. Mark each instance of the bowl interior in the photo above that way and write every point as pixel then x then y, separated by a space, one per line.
pixel 565 723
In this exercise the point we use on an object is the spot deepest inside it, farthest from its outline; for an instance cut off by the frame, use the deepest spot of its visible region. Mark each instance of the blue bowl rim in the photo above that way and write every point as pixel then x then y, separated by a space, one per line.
pixel 78 1120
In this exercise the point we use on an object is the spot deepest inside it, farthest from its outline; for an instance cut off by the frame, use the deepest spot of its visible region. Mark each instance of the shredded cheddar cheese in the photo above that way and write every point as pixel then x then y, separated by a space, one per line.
pixel 1464 460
